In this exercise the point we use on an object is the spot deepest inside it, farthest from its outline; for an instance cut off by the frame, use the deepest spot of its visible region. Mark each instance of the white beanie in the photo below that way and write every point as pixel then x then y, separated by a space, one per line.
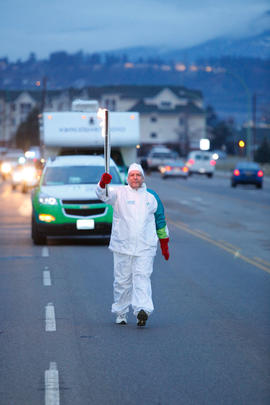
pixel 136 166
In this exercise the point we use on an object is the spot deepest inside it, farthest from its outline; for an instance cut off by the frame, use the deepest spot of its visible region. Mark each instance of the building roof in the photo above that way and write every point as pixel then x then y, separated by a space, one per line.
pixel 96 92
pixel 132 91
pixel 190 108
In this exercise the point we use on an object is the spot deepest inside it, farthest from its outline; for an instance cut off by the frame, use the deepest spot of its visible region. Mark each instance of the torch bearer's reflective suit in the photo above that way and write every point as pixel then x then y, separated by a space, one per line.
pixel 138 223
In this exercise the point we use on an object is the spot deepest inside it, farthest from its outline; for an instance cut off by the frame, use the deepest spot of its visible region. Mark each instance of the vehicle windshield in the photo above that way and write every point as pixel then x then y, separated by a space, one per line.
pixel 162 155
pixel 61 175
pixel 248 165
pixel 202 157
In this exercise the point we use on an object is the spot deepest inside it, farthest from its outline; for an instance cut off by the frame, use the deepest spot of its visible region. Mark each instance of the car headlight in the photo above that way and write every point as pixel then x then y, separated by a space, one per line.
pixel 29 174
pixel 46 199
pixel 6 168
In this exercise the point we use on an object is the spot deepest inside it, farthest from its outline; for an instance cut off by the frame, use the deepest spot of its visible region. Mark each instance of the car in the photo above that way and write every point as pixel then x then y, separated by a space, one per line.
pixel 176 169
pixel 27 175
pixel 65 201
pixel 9 161
pixel 247 173
pixel 201 162
pixel 159 156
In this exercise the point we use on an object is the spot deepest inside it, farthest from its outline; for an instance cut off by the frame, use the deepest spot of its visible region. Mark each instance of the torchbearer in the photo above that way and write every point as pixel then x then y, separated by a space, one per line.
pixel 103 114
pixel 138 223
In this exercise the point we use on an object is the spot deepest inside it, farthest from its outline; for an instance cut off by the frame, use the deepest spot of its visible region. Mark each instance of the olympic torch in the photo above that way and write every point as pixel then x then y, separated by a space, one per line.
pixel 103 114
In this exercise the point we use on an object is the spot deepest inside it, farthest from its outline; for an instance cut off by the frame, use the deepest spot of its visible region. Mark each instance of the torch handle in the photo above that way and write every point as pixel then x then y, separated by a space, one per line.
pixel 107 145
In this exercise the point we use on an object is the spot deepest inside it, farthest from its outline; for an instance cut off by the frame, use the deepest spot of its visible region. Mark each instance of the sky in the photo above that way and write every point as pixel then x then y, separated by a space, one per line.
pixel 46 26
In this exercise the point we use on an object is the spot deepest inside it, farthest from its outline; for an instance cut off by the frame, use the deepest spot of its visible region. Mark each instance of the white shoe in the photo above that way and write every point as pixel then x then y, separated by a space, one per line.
pixel 121 319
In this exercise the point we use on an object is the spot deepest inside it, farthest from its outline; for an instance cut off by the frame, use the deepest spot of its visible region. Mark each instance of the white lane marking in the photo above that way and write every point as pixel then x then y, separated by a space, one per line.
pixel 47 282
pixel 50 323
pixel 52 396
pixel 45 251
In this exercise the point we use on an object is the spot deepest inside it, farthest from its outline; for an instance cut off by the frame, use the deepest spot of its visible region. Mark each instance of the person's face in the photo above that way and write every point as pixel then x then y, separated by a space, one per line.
pixel 135 179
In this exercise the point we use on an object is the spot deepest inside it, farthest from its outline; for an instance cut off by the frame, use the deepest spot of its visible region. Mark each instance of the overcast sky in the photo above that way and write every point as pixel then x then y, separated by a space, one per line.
pixel 45 26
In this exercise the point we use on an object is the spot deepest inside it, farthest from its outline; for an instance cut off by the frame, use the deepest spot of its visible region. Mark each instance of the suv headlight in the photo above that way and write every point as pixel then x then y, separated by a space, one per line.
pixel 46 199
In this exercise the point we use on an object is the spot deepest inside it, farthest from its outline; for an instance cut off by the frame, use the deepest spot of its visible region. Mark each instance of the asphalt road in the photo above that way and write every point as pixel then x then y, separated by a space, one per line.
pixel 207 341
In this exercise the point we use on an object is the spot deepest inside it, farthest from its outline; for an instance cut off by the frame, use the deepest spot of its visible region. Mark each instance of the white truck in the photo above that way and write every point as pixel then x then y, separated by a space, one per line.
pixel 79 132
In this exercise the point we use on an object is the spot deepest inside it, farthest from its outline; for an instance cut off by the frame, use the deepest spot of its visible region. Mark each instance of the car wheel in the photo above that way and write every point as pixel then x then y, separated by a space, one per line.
pixel 209 175
pixel 38 237
pixel 259 185
pixel 164 177
pixel 233 184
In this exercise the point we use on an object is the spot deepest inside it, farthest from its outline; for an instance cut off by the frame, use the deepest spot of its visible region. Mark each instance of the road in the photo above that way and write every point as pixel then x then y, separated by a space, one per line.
pixel 207 341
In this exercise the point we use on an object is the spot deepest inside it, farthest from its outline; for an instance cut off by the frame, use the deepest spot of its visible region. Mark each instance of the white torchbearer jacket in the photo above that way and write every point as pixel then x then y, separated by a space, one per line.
pixel 135 219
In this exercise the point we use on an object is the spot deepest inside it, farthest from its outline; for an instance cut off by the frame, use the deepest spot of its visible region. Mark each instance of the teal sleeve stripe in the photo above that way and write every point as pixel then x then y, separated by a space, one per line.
pixel 159 214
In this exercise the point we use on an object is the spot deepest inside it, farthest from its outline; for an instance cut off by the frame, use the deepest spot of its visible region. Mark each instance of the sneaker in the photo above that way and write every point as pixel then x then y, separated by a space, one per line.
pixel 142 318
pixel 121 319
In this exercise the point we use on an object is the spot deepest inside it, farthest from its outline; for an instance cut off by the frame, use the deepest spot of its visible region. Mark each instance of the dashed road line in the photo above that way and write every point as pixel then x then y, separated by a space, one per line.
pixel 235 252
pixel 47 281
pixel 50 322
pixel 45 251
pixel 52 394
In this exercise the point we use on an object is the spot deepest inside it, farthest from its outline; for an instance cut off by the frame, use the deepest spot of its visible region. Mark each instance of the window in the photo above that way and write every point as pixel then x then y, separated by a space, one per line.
pixel 25 108
pixel 110 104
pixel 153 135
pixel 166 104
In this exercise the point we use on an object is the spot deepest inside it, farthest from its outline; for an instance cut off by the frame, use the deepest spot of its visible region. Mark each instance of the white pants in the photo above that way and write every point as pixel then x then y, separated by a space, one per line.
pixel 132 284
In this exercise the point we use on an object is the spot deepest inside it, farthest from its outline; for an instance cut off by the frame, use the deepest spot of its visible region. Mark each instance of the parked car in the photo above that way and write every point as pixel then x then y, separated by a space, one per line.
pixel 159 156
pixel 176 169
pixel 65 202
pixel 201 162
pixel 247 173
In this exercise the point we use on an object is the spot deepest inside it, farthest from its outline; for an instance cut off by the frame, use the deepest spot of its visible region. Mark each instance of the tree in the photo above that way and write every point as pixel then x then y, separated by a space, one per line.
pixel 28 132
pixel 262 154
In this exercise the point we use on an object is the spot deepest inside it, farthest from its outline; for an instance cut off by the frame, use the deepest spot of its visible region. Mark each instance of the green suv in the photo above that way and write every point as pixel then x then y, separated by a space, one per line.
pixel 65 202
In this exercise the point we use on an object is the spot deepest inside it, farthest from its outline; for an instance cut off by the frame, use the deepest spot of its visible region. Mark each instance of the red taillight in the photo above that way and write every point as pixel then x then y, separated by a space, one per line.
pixel 191 161
pixel 168 168
pixel 212 162
pixel 236 172
pixel 260 173
pixel 185 169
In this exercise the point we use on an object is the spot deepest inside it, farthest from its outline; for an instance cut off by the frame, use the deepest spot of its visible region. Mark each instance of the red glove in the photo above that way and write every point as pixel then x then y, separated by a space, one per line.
pixel 165 248
pixel 106 178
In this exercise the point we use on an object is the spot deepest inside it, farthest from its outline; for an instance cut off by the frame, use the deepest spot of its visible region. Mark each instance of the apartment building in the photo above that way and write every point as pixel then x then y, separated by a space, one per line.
pixel 169 115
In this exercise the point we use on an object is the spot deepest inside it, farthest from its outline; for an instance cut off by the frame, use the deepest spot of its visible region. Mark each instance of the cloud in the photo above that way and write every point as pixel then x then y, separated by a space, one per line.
pixel 47 26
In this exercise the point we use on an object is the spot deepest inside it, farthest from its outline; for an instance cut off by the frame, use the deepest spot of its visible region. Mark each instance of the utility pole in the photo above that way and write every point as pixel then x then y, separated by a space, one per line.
pixel 249 110
pixel 42 107
pixel 44 93
pixel 254 107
